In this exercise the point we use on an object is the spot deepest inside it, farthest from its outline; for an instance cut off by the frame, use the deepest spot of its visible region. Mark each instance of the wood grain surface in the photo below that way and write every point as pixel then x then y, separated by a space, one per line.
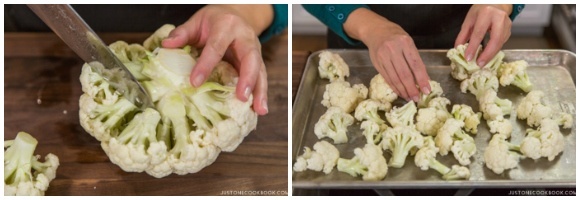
pixel 298 63
pixel 40 66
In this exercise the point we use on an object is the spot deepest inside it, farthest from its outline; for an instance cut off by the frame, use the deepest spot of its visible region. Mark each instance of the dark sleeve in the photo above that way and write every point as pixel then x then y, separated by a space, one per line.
pixel 516 10
pixel 279 23
pixel 334 16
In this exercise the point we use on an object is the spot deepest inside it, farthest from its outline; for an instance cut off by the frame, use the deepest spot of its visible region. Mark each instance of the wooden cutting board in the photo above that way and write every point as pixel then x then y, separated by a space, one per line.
pixel 40 66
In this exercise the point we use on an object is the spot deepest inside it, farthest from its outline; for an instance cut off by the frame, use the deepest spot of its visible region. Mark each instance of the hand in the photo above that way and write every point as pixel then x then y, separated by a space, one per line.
pixel 479 20
pixel 229 32
pixel 392 52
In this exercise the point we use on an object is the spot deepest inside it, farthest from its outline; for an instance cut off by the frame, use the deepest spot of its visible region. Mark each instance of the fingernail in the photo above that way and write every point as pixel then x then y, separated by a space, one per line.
pixel 415 99
pixel 198 80
pixel 468 57
pixel 481 64
pixel 265 105
pixel 425 90
pixel 247 92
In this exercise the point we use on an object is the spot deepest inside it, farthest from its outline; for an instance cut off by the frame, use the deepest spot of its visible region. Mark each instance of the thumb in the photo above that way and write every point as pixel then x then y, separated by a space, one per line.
pixel 178 37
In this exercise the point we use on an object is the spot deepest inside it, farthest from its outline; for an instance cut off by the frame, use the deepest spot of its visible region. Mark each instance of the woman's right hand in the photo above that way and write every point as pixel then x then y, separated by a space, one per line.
pixel 392 52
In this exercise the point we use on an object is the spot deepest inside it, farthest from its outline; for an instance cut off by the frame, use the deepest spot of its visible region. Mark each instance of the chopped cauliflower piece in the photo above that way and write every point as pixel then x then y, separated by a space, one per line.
pixel 368 110
pixel 436 91
pixel 501 126
pixel 429 120
pixel 501 155
pixel 332 66
pixel 515 73
pixel 464 113
pixel 551 141
pixel 323 158
pixel 479 82
pixel 492 106
pixel 368 162
pixel 400 140
pixel 333 124
pixel 425 159
pixel 402 116
pixel 381 91
pixel 340 94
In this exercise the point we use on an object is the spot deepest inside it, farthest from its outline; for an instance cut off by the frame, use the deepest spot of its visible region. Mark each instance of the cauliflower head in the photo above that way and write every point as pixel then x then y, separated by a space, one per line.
pixel 439 103
pixel 24 174
pixel 501 155
pixel 368 162
pixel 323 158
pixel 340 94
pixel 400 140
pixel 381 91
pixel 187 128
pixel 515 73
pixel 332 66
pixel 479 82
pixel 333 124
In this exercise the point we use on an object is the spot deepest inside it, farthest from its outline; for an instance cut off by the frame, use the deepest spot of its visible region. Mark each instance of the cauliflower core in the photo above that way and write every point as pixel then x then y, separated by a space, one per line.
pixel 188 127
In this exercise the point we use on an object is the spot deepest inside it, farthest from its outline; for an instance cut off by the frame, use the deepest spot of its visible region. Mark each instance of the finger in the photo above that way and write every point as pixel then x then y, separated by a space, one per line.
pixel 260 102
pixel 479 31
pixel 178 37
pixel 212 53
pixel 396 82
pixel 250 64
pixel 405 76
pixel 417 68
pixel 497 37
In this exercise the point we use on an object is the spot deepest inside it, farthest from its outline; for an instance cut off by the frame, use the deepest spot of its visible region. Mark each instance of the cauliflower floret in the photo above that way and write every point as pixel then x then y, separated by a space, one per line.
pixel 429 120
pixel 479 82
pixel 445 134
pixel 532 108
pixel 24 174
pixel 464 113
pixel 463 150
pixel 460 67
pixel 400 140
pixel 368 109
pixel 501 126
pixel 425 159
pixel 551 140
pixel 323 158
pixel 436 91
pixel 332 66
pixel 368 161
pixel 340 94
pixel 373 131
pixel 501 155
pixel 402 116
pixel 492 106
pixel 564 119
pixel 381 91
pixel 439 103
pixel 515 73
pixel 333 124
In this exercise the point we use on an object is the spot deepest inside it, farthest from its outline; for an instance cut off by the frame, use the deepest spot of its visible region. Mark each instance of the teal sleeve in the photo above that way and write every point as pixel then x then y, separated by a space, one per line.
pixel 279 23
pixel 516 10
pixel 334 16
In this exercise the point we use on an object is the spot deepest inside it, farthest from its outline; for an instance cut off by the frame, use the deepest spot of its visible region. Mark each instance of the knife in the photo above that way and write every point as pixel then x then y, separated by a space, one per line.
pixel 73 30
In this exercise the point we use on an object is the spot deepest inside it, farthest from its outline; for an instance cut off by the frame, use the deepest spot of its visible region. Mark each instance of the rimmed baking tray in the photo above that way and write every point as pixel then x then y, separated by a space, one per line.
pixel 550 71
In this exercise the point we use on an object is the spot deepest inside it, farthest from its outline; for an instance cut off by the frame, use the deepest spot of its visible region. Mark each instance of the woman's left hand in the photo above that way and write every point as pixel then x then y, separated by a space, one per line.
pixel 480 20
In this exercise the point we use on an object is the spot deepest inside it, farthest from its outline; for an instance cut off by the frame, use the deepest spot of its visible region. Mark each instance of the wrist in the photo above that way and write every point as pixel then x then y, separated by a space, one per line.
pixel 363 23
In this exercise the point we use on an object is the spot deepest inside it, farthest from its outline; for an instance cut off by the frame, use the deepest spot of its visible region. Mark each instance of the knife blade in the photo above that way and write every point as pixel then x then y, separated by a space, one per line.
pixel 73 30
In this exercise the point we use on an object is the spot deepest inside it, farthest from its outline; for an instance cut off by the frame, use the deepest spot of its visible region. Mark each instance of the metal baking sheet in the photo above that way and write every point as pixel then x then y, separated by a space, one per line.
pixel 549 71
